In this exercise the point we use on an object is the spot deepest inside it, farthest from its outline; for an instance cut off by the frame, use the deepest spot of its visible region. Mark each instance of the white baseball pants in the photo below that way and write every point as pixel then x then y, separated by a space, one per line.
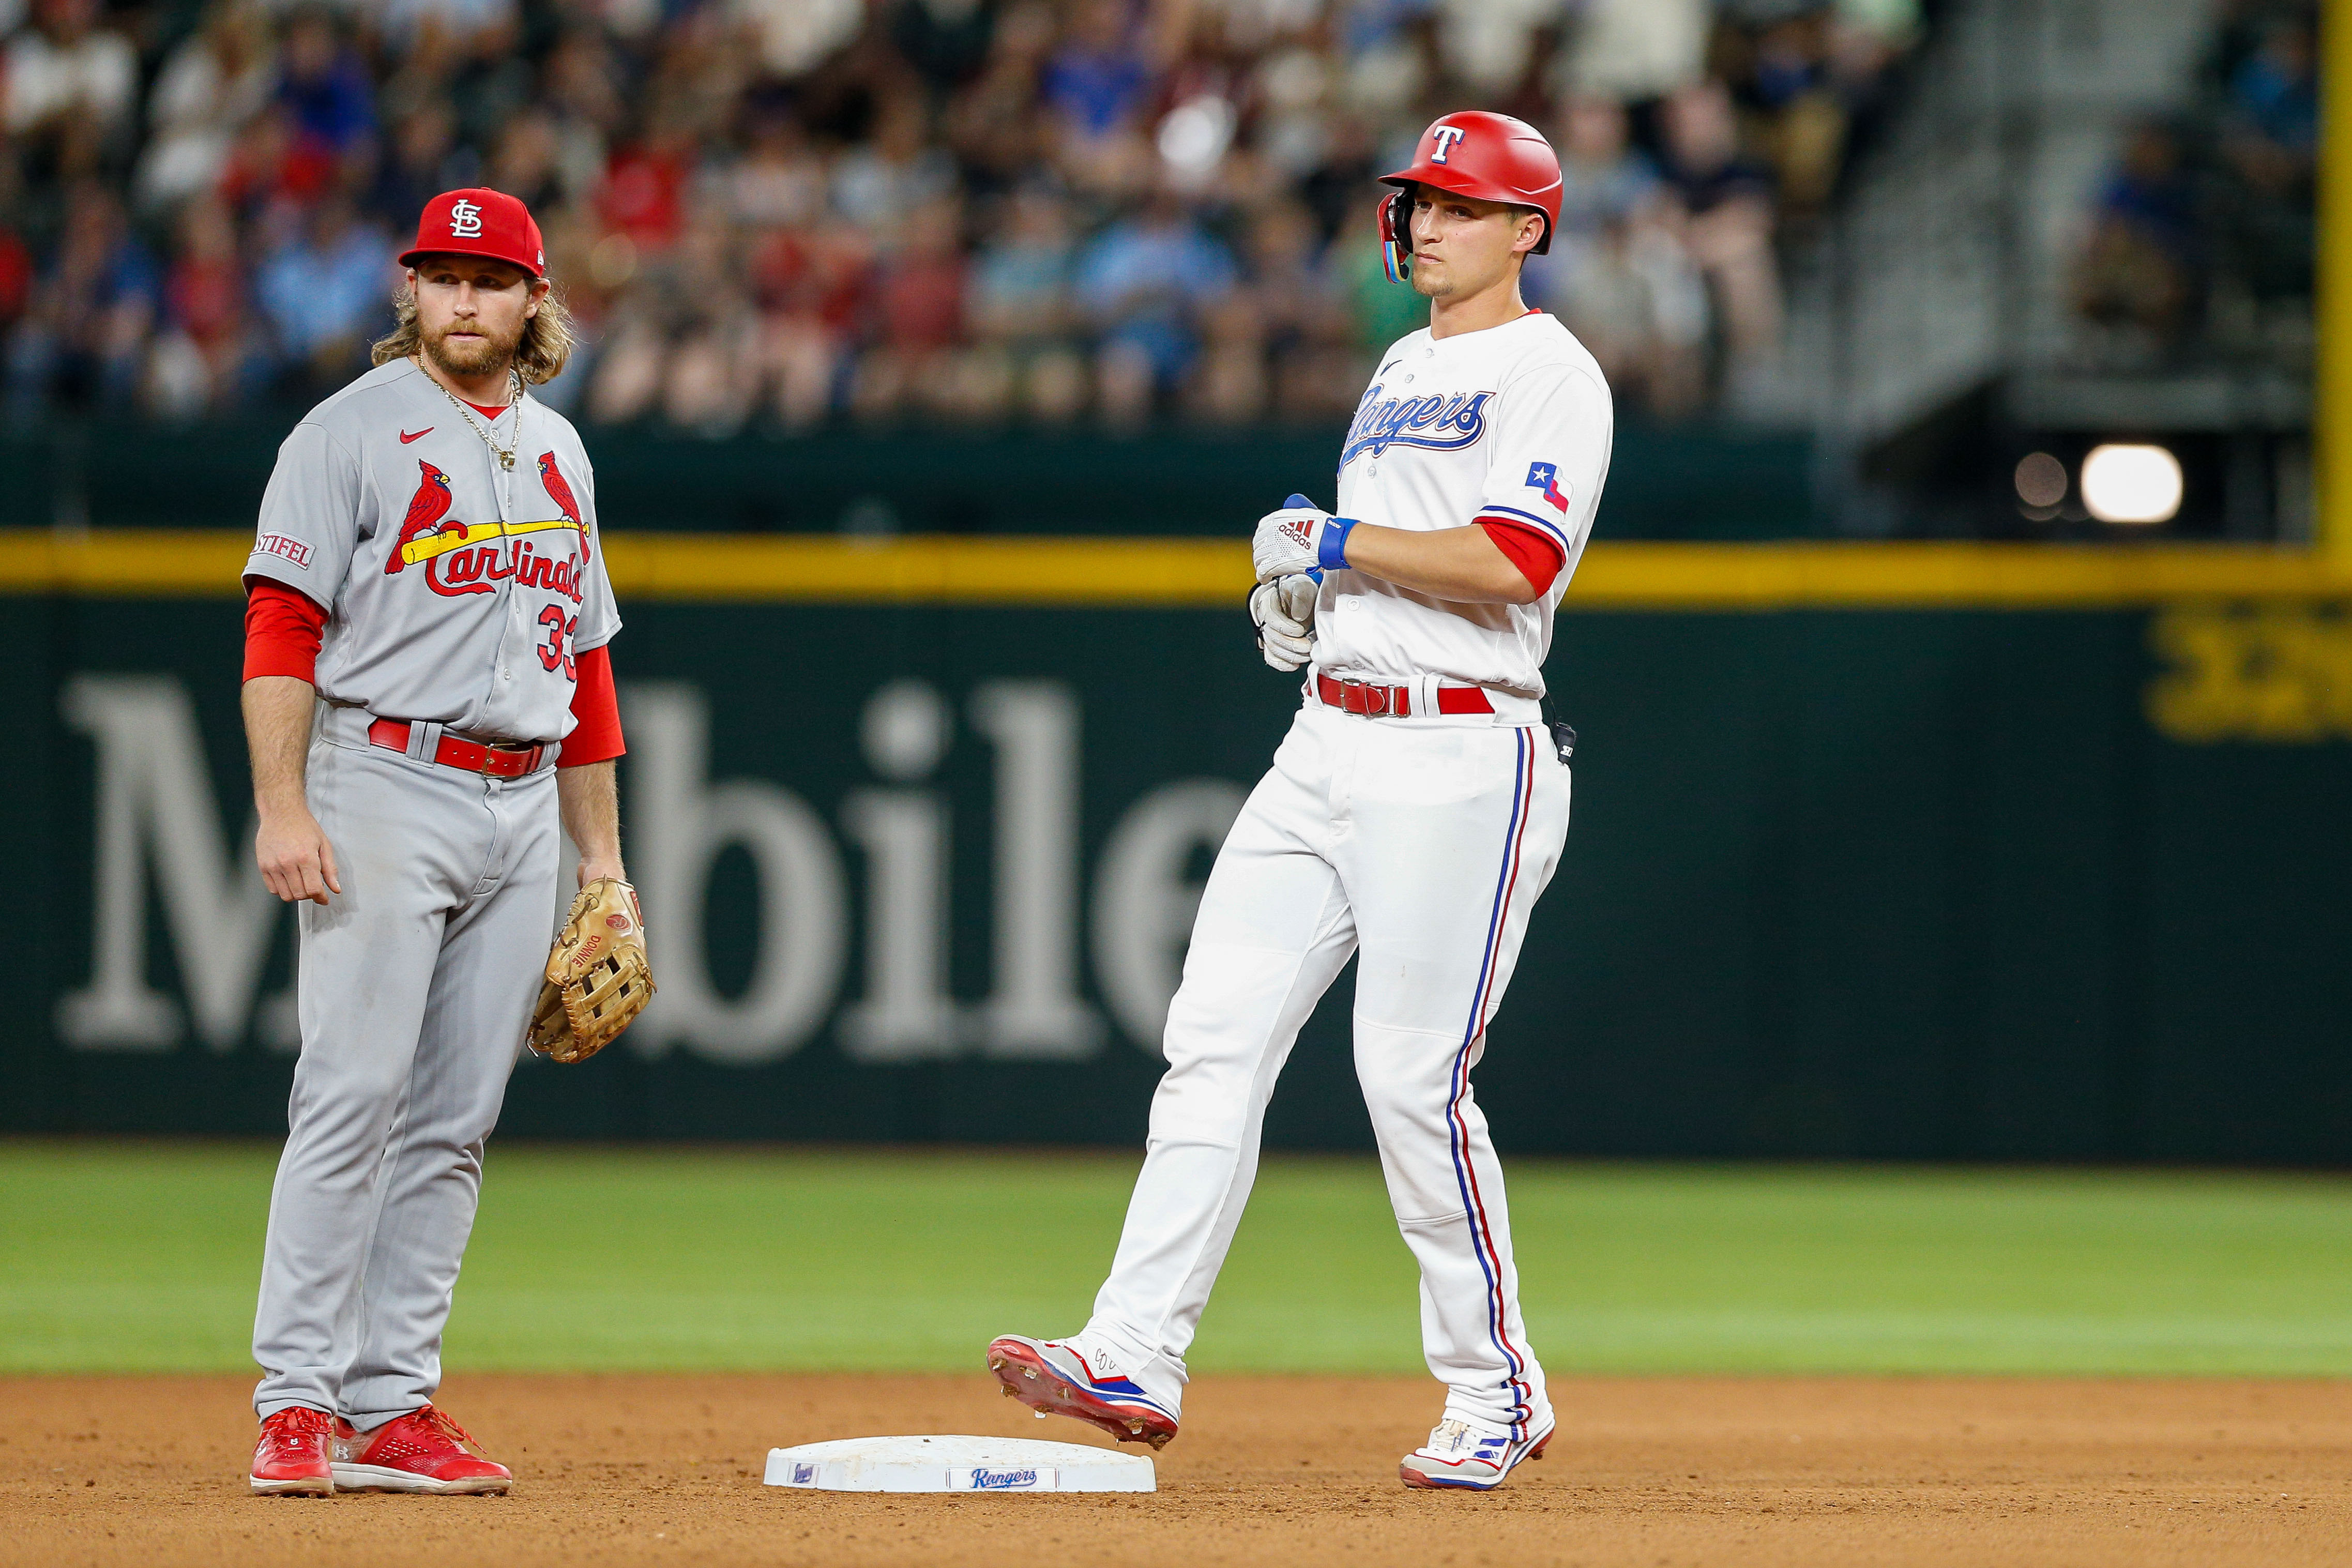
pixel 1425 843
pixel 415 986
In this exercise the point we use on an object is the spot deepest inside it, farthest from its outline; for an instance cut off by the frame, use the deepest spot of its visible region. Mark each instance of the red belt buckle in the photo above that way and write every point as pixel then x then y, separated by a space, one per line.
pixel 1370 701
pixel 472 756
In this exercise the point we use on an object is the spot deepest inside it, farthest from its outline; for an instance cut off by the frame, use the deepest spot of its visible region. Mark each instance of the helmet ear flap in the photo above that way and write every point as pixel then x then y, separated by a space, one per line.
pixel 1396 235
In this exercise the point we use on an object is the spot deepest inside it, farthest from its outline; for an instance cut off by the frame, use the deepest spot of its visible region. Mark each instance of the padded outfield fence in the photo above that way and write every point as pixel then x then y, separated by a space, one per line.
pixel 1908 851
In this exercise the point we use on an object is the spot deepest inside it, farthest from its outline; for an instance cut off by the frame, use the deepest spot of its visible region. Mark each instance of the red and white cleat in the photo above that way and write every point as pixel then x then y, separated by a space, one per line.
pixel 422 1451
pixel 1459 1456
pixel 295 1456
pixel 1067 1377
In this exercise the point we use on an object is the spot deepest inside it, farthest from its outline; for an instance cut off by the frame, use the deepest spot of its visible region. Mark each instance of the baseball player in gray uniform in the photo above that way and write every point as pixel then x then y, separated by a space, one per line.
pixel 428 698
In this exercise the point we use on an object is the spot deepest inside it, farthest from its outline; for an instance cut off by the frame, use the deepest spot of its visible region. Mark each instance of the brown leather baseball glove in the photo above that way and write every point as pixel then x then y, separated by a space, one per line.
pixel 597 978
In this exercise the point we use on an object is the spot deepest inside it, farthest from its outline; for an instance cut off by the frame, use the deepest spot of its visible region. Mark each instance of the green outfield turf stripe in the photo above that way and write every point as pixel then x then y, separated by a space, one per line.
pixel 120 1258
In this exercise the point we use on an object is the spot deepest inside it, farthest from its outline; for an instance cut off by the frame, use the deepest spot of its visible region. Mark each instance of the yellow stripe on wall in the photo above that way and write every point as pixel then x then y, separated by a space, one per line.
pixel 1179 573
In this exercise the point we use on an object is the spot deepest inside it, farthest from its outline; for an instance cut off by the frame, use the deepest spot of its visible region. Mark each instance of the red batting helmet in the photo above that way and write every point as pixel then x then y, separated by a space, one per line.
pixel 1479 153
pixel 494 224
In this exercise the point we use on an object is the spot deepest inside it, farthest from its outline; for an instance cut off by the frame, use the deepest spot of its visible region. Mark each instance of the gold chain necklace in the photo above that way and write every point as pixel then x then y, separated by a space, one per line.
pixel 505 455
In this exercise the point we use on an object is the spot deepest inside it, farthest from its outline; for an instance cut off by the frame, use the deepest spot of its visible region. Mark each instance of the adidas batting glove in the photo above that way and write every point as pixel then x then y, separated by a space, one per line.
pixel 1299 538
pixel 1285 612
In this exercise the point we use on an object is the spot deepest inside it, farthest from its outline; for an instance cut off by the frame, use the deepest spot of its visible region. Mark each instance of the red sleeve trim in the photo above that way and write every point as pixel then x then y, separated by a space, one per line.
pixel 596 711
pixel 1535 553
pixel 282 630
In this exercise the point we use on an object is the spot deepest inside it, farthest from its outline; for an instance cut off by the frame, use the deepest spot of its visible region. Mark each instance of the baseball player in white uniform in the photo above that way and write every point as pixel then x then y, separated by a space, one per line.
pixel 1412 816
pixel 427 699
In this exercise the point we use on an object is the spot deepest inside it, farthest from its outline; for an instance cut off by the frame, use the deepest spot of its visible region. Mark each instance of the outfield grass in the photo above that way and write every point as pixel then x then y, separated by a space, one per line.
pixel 141 1257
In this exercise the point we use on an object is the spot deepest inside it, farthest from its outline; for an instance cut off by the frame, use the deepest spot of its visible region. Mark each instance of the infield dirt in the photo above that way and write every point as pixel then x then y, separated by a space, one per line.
pixel 1647 1471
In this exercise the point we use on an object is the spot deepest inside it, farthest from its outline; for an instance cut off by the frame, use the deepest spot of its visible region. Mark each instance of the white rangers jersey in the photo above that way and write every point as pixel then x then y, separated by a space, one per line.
pixel 458 593
pixel 1512 423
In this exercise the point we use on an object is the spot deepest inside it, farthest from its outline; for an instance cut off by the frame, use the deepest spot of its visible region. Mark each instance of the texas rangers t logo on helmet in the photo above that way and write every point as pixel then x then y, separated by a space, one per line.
pixel 466 220
pixel 1447 135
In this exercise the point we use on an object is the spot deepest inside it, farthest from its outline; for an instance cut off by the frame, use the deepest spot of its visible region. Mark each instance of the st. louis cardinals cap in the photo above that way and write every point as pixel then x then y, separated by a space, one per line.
pixel 480 223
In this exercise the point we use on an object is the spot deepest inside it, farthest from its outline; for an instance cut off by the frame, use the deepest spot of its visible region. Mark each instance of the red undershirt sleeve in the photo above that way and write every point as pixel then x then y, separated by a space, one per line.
pixel 597 735
pixel 282 629
pixel 1535 553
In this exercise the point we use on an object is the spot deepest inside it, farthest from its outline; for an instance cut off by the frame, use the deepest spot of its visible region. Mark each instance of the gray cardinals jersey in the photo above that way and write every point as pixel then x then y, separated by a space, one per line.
pixel 458 591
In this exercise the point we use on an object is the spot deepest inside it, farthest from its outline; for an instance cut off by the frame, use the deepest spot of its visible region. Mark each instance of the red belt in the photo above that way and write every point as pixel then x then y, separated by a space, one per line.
pixel 497 761
pixel 1394 702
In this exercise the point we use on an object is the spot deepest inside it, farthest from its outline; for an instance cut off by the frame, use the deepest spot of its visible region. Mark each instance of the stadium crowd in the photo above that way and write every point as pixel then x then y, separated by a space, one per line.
pixel 780 212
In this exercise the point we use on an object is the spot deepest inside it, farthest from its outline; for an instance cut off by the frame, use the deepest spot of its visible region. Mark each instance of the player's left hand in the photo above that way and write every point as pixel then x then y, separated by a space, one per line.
pixel 597 978
pixel 1285 612
pixel 1299 538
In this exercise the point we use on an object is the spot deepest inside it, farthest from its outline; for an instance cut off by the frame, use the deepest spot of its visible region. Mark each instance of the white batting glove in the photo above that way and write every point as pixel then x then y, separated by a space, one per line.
pixel 1285 612
pixel 1299 538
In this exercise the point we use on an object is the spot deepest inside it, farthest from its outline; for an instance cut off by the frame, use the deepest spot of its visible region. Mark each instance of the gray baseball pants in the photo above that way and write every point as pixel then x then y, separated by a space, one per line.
pixel 415 986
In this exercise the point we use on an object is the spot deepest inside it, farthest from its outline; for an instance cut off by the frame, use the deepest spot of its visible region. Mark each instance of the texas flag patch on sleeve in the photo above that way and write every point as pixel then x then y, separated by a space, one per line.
pixel 1545 476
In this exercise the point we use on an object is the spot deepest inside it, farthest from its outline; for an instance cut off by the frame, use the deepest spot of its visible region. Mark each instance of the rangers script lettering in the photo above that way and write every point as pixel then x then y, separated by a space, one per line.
pixel 1437 421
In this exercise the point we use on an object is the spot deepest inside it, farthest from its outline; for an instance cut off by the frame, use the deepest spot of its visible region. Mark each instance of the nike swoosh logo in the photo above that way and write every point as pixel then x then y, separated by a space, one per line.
pixel 405 438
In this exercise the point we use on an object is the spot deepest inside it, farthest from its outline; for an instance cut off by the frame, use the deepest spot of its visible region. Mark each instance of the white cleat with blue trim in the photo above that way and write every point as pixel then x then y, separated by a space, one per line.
pixel 1074 1377
pixel 1459 1456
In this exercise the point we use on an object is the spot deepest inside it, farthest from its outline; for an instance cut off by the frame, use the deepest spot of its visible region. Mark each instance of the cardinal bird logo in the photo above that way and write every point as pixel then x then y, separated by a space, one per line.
pixel 559 491
pixel 425 509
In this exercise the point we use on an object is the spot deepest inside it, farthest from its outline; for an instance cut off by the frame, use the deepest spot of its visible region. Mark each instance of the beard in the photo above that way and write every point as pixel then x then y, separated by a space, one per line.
pixel 486 355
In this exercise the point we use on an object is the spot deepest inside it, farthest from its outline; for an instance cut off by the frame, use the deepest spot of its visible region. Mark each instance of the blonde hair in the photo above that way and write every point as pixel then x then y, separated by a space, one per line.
pixel 545 348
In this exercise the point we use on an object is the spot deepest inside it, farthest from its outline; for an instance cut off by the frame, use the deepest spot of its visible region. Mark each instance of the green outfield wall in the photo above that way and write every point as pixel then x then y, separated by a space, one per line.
pixel 1865 860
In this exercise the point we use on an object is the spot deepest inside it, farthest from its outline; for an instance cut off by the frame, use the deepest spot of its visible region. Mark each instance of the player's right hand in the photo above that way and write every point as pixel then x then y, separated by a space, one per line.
pixel 1285 612
pixel 296 860
pixel 1300 537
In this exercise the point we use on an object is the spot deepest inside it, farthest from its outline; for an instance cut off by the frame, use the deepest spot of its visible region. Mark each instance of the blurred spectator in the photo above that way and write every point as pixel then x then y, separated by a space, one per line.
pixel 994 125
pixel 82 341
pixel 1021 313
pixel 325 89
pixel 418 165
pixel 2142 263
pixel 1728 231
pixel 643 195
pixel 2201 241
pixel 403 20
pixel 919 319
pixel 1144 284
pixel 793 37
pixel 779 179
pixel 877 185
pixel 1637 302
pixel 1634 51
pixel 2275 107
pixel 1803 115
pixel 529 162
pixel 2270 136
pixel 329 293
pixel 198 364
pixel 1318 368
pixel 212 85
pixel 16 278
pixel 69 84
pixel 1603 181
pixel 1095 89
pixel 1098 81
